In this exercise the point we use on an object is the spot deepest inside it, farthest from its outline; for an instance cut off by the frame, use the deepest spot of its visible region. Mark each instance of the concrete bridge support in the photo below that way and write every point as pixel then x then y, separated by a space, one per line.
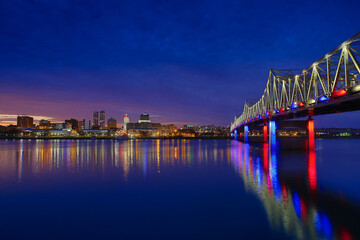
pixel 236 134
pixel 246 133
pixel 311 134
pixel 265 132
pixel 272 128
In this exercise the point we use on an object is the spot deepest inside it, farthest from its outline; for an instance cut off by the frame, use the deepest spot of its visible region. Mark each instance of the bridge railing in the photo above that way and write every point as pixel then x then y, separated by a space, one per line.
pixel 335 74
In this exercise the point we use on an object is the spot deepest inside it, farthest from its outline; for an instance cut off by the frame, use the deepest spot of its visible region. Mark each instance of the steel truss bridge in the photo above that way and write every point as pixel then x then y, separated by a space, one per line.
pixel 329 85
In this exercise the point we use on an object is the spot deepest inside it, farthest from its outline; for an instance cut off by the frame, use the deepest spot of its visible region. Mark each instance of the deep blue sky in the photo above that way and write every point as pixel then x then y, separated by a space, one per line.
pixel 182 61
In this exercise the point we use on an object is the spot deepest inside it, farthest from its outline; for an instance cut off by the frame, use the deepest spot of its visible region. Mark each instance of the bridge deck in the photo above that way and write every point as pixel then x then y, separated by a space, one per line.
pixel 343 104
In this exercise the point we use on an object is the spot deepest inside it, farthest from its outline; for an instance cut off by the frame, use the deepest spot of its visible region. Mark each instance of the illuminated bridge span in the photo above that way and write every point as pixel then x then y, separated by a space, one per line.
pixel 329 85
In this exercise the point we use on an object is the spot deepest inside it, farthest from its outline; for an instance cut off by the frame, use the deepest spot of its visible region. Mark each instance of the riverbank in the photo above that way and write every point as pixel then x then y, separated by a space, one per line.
pixel 111 138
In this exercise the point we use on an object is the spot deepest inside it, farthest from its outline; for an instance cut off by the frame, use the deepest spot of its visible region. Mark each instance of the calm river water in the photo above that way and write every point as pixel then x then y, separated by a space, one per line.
pixel 178 189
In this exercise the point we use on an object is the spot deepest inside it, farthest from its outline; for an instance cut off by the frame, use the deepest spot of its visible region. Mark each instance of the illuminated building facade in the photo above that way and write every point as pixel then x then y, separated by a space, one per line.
pixel 61 126
pixel 112 123
pixel 169 130
pixel 144 117
pixel 187 133
pixel 126 121
pixel 144 127
pixel 45 124
pixel 87 124
pixel 188 127
pixel 81 125
pixel 25 121
pixel 74 124
pixel 96 119
pixel 170 127
pixel 102 119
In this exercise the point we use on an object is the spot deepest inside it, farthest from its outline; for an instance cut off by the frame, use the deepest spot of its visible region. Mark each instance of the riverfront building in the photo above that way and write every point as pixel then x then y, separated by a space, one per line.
pixel 112 123
pixel 144 127
pixel 45 124
pixel 144 117
pixel 102 119
pixel 126 121
pixel 96 120
pixel 74 124
pixel 25 121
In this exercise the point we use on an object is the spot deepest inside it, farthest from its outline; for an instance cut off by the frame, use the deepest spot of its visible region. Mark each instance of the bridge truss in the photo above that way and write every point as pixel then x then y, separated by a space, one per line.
pixel 334 75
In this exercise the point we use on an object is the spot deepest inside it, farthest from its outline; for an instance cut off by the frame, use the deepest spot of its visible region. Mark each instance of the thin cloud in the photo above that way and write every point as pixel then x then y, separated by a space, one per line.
pixel 7 119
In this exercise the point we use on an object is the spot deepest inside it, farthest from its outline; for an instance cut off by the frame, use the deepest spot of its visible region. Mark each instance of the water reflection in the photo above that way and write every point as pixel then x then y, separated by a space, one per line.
pixel 36 158
pixel 293 201
pixel 285 182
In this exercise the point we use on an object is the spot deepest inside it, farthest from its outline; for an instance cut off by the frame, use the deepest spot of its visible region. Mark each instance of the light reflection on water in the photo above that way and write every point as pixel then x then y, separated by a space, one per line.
pixel 286 183
pixel 293 202
pixel 32 158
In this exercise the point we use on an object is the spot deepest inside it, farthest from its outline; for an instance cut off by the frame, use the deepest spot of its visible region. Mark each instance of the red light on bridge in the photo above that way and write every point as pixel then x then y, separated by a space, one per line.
pixel 301 104
pixel 282 109
pixel 311 133
pixel 339 93
pixel 265 130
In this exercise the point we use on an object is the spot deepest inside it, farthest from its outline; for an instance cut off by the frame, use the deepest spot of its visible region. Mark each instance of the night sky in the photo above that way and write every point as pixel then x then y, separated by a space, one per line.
pixel 189 62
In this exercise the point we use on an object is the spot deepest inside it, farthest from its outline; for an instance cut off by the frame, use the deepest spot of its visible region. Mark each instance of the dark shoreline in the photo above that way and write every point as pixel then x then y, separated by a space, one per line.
pixel 172 138
pixel 112 138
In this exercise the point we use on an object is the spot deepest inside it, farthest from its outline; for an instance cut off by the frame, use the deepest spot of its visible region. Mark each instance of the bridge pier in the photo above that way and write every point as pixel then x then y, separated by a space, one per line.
pixel 246 133
pixel 272 138
pixel 252 134
pixel 311 134
pixel 265 132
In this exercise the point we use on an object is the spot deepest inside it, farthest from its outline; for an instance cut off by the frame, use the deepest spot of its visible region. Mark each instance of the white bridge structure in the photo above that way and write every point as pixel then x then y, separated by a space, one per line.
pixel 329 85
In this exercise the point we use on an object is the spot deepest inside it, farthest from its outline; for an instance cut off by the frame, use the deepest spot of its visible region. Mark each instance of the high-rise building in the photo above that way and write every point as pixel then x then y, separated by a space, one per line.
pixel 102 119
pixel 74 124
pixel 45 124
pixel 126 121
pixel 25 121
pixel 112 123
pixel 87 124
pixel 81 125
pixel 96 119
pixel 144 117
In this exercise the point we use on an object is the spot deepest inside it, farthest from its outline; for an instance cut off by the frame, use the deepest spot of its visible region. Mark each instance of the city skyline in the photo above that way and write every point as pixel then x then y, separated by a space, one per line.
pixel 12 119
pixel 126 119
pixel 184 63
